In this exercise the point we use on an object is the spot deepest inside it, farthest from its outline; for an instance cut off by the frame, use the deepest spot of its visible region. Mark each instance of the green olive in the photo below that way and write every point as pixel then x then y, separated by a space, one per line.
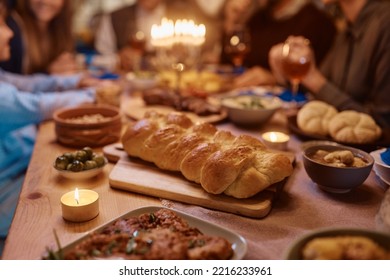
pixel 76 166
pixel 81 156
pixel 99 160
pixel 89 152
pixel 61 162
pixel 90 164
pixel 69 156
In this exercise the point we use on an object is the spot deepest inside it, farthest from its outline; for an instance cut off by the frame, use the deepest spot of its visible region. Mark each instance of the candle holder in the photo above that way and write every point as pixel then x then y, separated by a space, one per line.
pixel 275 140
pixel 80 205
pixel 178 45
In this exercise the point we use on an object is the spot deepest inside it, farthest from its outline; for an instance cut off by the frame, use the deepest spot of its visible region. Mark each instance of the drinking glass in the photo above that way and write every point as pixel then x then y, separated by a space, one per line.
pixel 237 46
pixel 296 60
pixel 137 43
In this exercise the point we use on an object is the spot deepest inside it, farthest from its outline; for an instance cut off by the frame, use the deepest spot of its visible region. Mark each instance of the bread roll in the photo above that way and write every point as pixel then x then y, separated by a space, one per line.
pixel 354 127
pixel 238 166
pixel 314 117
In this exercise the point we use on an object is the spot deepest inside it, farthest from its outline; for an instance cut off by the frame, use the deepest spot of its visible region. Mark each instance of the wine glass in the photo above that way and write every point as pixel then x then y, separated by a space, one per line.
pixel 237 46
pixel 296 61
pixel 137 42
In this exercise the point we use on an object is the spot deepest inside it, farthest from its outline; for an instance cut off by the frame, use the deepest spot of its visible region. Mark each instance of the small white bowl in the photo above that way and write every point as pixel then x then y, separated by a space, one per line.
pixel 380 167
pixel 243 109
pixel 141 82
pixel 81 175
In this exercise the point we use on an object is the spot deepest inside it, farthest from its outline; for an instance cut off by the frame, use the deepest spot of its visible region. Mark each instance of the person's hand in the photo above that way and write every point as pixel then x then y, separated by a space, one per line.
pixel 255 76
pixel 275 61
pixel 313 80
pixel 64 64
pixel 87 80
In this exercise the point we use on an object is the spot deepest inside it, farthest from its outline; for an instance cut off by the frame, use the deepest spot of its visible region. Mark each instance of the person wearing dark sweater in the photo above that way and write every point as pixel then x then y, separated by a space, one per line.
pixel 272 24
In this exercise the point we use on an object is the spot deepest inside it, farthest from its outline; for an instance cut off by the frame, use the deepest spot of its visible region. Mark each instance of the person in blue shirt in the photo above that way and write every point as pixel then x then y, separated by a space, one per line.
pixel 26 101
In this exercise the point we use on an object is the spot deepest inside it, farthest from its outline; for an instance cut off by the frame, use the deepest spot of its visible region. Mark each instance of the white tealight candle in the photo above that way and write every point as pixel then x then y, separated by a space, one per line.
pixel 276 140
pixel 80 205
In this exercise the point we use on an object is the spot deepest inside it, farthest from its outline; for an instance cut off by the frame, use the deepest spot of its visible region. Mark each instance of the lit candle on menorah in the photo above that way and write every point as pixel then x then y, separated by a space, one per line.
pixel 178 45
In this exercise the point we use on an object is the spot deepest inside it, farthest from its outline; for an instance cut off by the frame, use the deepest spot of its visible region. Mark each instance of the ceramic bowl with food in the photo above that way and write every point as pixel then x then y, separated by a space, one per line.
pixel 88 125
pixel 340 243
pixel 380 167
pixel 337 168
pixel 142 80
pixel 80 164
pixel 251 109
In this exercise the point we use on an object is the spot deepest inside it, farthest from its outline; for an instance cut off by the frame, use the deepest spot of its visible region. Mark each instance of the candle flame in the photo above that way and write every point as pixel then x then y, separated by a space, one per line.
pixel 273 137
pixel 76 195
pixel 181 31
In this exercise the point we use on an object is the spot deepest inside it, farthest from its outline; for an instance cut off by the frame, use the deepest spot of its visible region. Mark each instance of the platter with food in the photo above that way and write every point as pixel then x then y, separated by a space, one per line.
pixel 318 120
pixel 336 243
pixel 211 111
pixel 169 156
pixel 383 141
pixel 155 233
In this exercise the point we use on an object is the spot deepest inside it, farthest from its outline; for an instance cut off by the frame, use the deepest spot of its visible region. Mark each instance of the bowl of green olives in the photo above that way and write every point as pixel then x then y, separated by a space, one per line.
pixel 80 164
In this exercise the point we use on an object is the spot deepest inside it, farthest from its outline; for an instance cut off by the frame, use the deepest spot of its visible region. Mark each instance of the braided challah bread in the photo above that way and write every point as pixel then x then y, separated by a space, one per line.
pixel 238 166
pixel 314 117
pixel 354 127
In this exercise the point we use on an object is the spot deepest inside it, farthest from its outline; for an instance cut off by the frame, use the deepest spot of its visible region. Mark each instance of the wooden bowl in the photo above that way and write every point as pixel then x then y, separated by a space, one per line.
pixel 88 125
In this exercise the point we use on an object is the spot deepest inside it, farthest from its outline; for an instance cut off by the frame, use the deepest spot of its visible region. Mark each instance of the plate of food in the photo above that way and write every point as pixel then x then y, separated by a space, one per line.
pixel 155 233
pixel 318 120
pixel 164 101
pixel 340 244
pixel 383 141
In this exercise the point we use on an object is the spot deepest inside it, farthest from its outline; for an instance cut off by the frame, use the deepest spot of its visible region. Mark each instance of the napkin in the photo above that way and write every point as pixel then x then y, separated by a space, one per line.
pixel 385 156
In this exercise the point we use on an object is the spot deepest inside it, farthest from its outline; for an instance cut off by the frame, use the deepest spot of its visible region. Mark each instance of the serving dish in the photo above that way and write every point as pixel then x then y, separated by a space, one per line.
pixel 81 175
pixel 339 173
pixel 294 251
pixel 88 125
pixel 239 244
pixel 381 169
pixel 142 80
pixel 247 109
pixel 383 141
pixel 136 109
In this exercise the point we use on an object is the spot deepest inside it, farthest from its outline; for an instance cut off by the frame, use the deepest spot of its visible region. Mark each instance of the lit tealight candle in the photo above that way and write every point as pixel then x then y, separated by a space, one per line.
pixel 80 205
pixel 276 140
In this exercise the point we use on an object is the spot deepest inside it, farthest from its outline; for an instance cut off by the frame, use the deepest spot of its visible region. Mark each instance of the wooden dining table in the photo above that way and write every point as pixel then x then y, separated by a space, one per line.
pixel 299 208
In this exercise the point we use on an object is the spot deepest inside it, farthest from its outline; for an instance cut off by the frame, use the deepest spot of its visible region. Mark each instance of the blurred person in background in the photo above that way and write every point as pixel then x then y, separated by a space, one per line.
pixel 356 72
pixel 272 23
pixel 26 101
pixel 46 43
pixel 14 63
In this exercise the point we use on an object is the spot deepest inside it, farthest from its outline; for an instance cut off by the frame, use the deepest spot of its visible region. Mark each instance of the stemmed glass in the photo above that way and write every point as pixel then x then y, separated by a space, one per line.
pixel 296 60
pixel 237 46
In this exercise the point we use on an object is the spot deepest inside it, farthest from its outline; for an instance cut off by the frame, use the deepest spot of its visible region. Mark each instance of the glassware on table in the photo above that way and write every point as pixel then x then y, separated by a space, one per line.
pixel 137 43
pixel 178 46
pixel 296 61
pixel 237 46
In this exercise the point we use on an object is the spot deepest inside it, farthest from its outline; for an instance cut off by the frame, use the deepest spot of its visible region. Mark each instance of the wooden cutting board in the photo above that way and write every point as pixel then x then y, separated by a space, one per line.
pixel 131 174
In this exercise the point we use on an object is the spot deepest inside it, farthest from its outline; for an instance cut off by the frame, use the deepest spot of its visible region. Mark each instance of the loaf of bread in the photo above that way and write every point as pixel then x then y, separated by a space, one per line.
pixel 238 166
pixel 314 117
pixel 354 127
